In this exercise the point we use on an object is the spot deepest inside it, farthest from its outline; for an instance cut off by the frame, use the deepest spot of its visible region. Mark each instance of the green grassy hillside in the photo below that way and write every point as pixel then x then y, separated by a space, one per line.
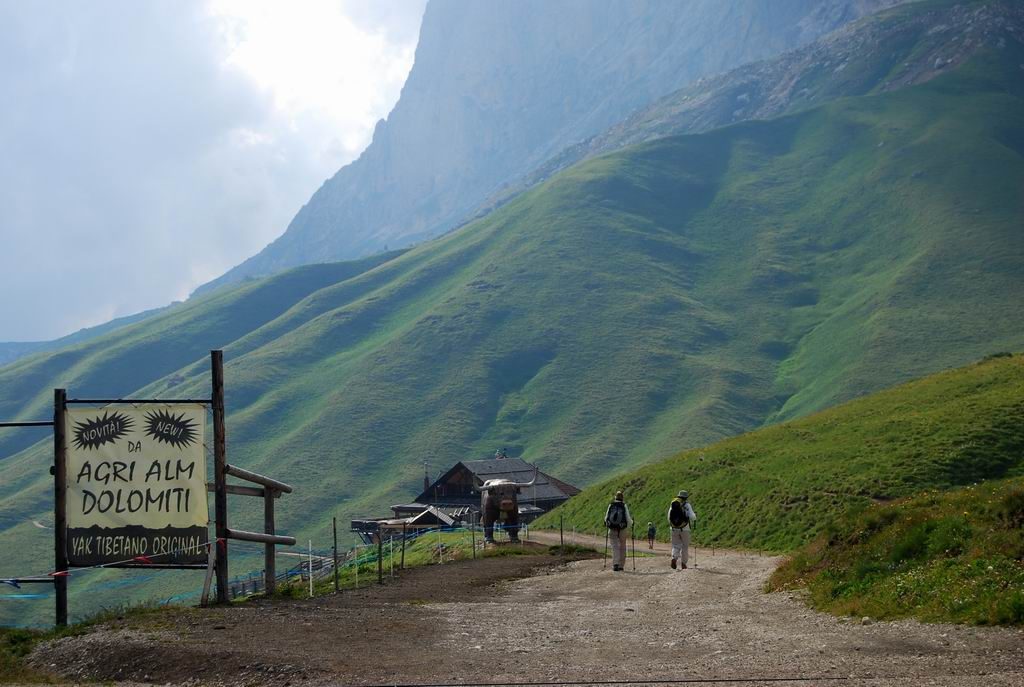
pixel 781 486
pixel 114 364
pixel 957 555
pixel 12 350
pixel 658 298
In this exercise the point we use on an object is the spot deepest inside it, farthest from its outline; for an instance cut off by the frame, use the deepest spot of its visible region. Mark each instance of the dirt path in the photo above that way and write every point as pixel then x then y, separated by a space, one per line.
pixel 460 623
pixel 569 538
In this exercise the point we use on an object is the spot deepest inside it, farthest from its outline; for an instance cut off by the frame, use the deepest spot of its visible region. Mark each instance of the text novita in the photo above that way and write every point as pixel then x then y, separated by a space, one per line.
pixel 173 500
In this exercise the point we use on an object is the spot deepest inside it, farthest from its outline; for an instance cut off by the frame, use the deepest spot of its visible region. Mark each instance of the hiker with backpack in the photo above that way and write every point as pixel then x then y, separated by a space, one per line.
pixel 618 521
pixel 680 517
pixel 652 532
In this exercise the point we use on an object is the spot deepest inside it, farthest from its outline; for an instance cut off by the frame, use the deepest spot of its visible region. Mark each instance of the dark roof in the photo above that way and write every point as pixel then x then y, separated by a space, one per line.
pixel 546 488
pixel 566 488
pixel 500 467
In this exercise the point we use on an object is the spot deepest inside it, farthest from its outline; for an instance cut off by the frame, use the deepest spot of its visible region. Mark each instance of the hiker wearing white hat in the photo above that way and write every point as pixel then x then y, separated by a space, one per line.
pixel 680 516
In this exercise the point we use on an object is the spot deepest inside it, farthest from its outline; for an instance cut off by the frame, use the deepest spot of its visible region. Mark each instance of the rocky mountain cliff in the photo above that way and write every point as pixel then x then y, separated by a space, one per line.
pixel 880 53
pixel 498 88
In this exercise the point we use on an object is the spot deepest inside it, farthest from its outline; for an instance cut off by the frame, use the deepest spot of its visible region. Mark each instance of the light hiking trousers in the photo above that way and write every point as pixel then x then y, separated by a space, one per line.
pixel 681 544
pixel 618 539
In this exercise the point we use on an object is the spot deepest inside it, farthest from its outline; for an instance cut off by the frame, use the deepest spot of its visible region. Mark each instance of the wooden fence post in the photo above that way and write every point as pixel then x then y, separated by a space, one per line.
pixel 334 520
pixel 219 475
pixel 269 562
pixel 211 555
pixel 380 558
pixel 402 566
pixel 60 513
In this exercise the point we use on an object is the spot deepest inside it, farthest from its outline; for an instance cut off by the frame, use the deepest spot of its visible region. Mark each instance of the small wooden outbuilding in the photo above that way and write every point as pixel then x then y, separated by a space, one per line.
pixel 452 499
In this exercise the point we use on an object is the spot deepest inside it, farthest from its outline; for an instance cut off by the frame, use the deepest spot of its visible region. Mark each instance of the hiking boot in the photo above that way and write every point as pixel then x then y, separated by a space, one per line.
pixel 682 566
pixel 616 568
pixel 673 564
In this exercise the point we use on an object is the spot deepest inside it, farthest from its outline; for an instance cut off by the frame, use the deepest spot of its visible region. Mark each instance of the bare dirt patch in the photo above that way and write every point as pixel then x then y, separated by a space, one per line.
pixel 468 622
pixel 336 638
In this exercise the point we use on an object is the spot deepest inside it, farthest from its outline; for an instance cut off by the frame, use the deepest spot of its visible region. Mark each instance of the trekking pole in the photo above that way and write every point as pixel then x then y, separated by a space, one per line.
pixel 604 562
pixel 632 537
pixel 694 545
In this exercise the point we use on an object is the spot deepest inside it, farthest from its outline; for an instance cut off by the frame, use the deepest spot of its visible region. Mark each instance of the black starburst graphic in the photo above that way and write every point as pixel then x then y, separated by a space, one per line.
pixel 176 430
pixel 101 430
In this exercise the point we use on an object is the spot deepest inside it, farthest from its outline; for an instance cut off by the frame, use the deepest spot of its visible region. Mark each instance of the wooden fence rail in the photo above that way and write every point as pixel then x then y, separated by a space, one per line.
pixel 269 490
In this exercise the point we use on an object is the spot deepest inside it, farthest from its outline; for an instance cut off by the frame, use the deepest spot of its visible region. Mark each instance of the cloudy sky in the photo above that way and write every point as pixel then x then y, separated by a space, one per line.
pixel 146 146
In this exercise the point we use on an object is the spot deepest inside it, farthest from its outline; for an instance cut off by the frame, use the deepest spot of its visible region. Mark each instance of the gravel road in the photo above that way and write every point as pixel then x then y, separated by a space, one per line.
pixel 467 623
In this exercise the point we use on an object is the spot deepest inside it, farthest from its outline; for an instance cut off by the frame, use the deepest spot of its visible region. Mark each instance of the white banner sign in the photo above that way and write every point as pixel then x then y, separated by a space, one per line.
pixel 136 484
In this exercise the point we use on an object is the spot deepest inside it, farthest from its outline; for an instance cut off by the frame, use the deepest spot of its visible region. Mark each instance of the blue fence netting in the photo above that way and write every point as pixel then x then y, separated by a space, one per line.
pixel 317 563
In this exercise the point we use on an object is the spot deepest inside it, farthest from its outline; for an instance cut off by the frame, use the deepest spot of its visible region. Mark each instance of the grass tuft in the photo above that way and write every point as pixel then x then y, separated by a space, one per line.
pixel 941 556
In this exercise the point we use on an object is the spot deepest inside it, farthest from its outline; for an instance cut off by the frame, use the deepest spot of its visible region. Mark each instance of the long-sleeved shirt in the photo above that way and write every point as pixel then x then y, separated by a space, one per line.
pixel 689 513
pixel 629 518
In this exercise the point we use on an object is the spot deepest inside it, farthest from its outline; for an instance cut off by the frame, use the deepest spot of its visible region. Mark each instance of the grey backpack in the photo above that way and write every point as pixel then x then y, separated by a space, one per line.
pixel 616 516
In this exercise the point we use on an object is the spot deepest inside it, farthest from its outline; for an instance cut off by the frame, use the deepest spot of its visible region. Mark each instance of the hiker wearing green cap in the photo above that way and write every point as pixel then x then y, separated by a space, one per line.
pixel 680 516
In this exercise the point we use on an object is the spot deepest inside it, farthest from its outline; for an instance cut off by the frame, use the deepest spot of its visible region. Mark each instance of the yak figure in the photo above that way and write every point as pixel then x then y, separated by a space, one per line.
pixel 498 502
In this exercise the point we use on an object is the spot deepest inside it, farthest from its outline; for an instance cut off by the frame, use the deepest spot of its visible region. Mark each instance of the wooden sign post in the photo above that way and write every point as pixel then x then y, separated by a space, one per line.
pixel 60 511
pixel 219 475
pixel 134 498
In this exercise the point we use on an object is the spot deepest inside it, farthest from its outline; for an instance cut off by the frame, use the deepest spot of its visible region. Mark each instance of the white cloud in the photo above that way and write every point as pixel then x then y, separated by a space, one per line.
pixel 320 67
pixel 145 148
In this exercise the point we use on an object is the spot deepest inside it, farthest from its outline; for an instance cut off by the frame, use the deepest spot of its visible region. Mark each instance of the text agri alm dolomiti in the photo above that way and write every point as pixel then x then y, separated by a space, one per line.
pixel 136 484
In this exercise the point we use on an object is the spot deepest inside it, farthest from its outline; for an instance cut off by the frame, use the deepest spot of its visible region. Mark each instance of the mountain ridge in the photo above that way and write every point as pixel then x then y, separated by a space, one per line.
pixel 479 109
pixel 13 350
pixel 733 236
pixel 846 62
